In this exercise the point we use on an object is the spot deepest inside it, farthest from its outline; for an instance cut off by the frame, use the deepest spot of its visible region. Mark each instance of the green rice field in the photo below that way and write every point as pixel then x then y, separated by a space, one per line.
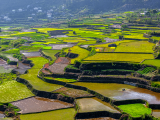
pixel 135 110
pixel 12 91
pixel 63 114
pixel 139 46
pixel 37 83
pixel 121 57
pixel 82 53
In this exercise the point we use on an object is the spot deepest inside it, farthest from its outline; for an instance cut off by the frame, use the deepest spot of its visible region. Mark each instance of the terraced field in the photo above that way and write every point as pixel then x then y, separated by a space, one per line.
pixel 94 104
pixel 64 114
pixel 82 53
pixel 135 110
pixel 12 91
pixel 115 91
pixel 139 46
pixel 121 57
pixel 102 48
pixel 37 83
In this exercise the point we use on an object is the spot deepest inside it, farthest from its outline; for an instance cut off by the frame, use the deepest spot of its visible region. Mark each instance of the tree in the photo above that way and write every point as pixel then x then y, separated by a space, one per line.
pixel 74 32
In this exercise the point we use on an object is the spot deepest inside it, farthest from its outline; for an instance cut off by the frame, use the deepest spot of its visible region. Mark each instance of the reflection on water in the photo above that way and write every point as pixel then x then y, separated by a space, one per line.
pixel 31 54
pixel 5 68
pixel 22 67
pixel 156 113
pixel 139 93
pixel 115 91
pixel 60 46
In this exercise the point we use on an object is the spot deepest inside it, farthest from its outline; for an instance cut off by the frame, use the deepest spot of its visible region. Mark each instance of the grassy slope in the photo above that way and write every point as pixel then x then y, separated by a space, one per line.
pixel 80 51
pixel 13 91
pixel 31 76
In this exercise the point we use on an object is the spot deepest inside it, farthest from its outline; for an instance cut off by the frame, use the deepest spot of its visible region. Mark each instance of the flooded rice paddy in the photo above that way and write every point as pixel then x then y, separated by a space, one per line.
pixel 115 91
pixel 94 104
pixel 56 36
pixel 1 115
pixel 39 104
pixel 5 68
pixel 10 56
pixel 60 46
pixel 156 113
pixel 22 68
pixel 31 54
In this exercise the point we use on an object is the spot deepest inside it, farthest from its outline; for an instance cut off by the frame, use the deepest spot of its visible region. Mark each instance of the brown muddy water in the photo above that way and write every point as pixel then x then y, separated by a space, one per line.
pixel 114 91
pixel 39 104
pixel 139 93
pixel 156 113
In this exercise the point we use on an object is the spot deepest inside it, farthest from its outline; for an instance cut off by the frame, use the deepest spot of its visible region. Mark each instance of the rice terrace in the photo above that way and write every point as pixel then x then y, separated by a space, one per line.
pixel 94 67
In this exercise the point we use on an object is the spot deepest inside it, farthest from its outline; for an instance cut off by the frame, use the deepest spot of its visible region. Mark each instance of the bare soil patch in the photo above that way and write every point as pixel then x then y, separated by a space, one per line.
pixel 57 68
pixel 59 65
pixel 75 93
pixel 62 60
pixel 39 104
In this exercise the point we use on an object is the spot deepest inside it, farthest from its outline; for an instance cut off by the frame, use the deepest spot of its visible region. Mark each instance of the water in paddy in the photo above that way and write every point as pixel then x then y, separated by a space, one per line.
pixel 38 104
pixel 156 113
pixel 60 46
pixel 31 54
pixel 22 67
pixel 10 56
pixel 5 68
pixel 115 91
pixel 56 36
pixel 2 114
pixel 94 104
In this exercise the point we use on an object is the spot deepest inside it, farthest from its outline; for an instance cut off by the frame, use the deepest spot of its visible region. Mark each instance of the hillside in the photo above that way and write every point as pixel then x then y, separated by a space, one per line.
pixel 93 6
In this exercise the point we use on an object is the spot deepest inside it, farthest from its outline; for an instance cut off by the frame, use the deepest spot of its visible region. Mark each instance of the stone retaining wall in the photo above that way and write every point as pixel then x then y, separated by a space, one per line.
pixel 109 72
pixel 107 79
pixel 44 93
pixel 114 65
pixel 97 114
pixel 72 70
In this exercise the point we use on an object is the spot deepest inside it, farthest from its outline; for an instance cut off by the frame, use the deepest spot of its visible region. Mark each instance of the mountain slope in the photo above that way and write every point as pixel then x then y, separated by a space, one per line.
pixel 74 6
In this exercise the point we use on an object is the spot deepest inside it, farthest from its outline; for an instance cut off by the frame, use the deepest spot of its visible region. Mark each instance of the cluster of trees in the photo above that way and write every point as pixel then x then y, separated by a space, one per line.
pixel 150 17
